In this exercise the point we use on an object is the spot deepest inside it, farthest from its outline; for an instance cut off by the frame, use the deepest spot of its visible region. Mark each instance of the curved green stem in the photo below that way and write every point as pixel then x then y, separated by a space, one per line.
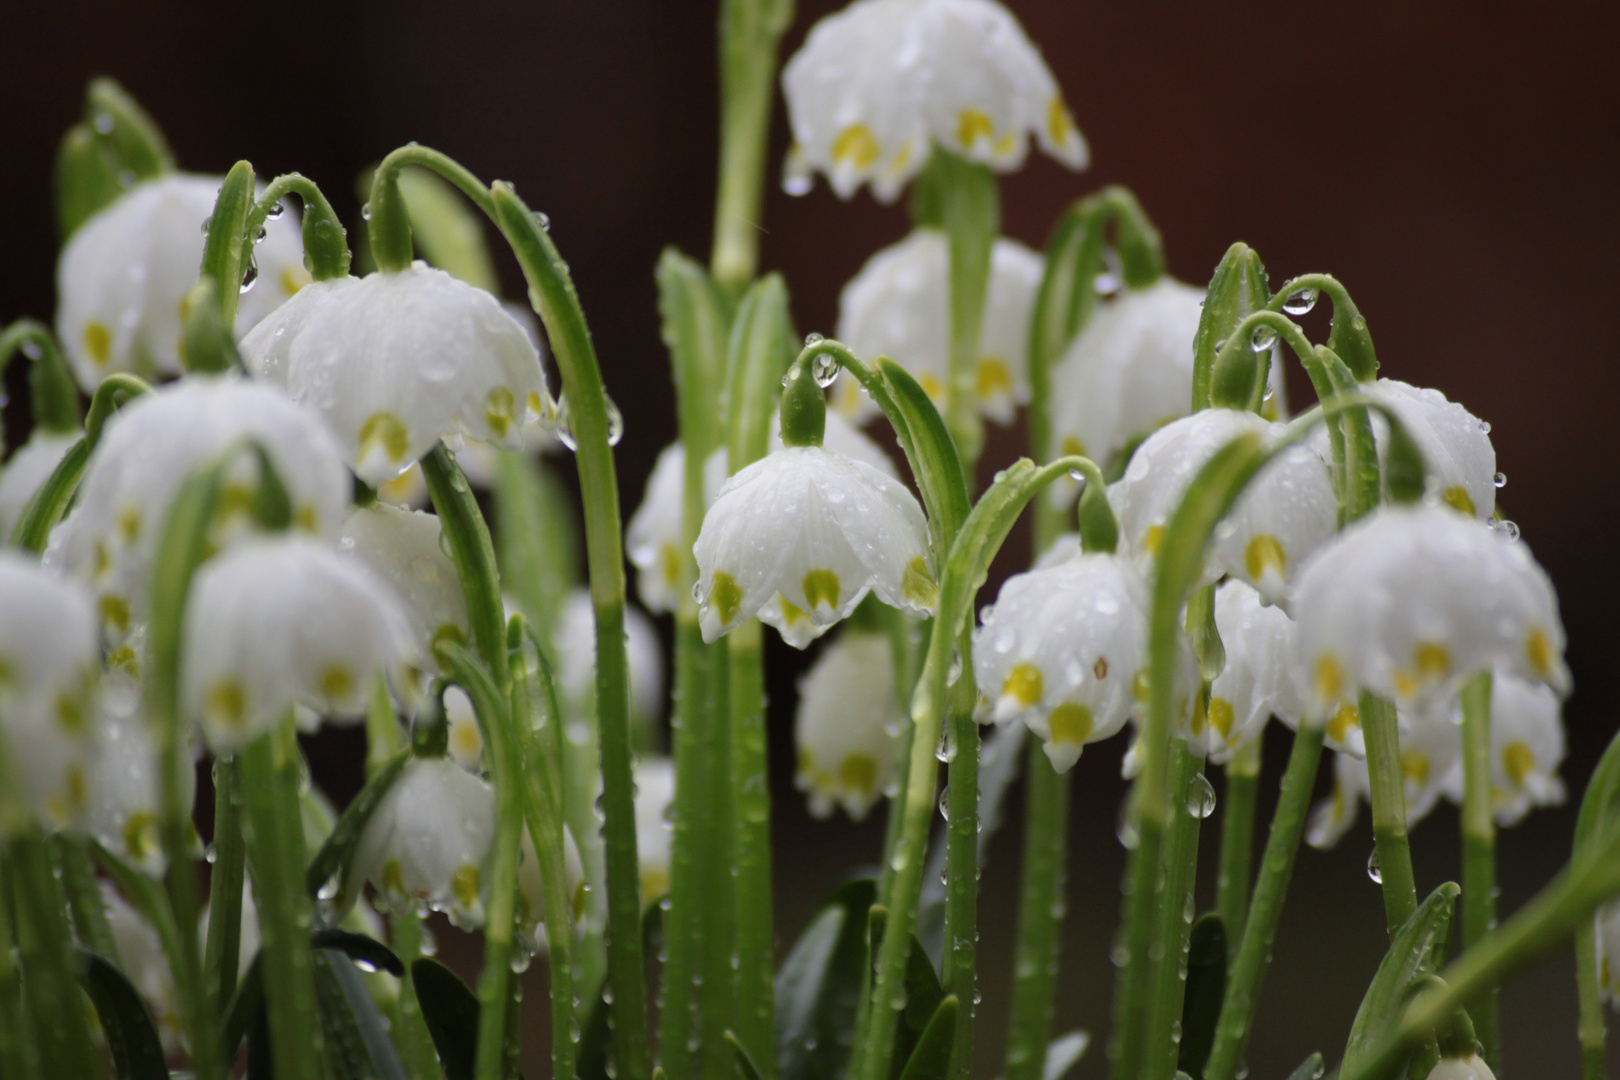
pixel 1237 288
pixel 134 137
pixel 389 228
pixel 53 397
pixel 1253 954
pixel 1479 850
pixel 749 33
pixel 227 241
pixel 1348 337
pixel 223 948
pixel 326 244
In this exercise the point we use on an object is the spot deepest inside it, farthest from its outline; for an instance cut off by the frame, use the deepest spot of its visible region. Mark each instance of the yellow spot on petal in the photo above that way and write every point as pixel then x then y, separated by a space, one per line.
pixel 1405 683
pixel 1457 498
pixel 1024 683
pixel 1265 552
pixel 1072 446
pixel 306 518
pixel 123 659
pixel 1070 723
pixel 994 380
pixel 1346 718
pixel 140 835
pixel 336 683
pixel 98 342
pixel 932 387
pixel 1100 668
pixel 669 560
pixel 725 596
pixel 70 716
pixel 1518 761
pixel 1222 716
pixel 918 584
pixel 1004 146
pixel 1538 650
pixel 386 430
pixel 856 145
pixel 466 741
pixel 103 562
pixel 227 703
pixel 1154 537
pixel 792 614
pixel 499 411
pixel 821 587
pixel 1059 122
pixel 1415 766
pixel 973 125
pixel 858 774
pixel 294 278
pixel 129 524
pixel 1433 661
pixel 1329 678
pixel 393 878
pixel 115 613
pixel 464 886
pixel 900 161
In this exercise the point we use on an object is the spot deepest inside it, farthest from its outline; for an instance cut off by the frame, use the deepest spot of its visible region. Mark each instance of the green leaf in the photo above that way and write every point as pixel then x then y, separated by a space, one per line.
pixel 1206 985
pixel 1236 290
pixel 132 1038
pixel 357 1046
pixel 367 952
pixel 746 1069
pixel 1062 1053
pixel 86 179
pixel 695 329
pixel 819 985
pixel 227 249
pixel 931 451
pixel 1309 1069
pixel 451 1013
pixel 338 852
pixel 931 1059
pixel 1416 950
pixel 923 997
pixel 761 349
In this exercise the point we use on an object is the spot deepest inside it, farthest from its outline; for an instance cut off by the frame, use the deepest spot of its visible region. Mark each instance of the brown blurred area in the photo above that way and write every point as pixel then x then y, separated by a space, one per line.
pixel 1454 164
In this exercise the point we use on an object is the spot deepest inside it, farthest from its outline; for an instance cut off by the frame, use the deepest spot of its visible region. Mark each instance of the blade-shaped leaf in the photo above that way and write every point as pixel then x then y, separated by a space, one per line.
pixel 1062 1053
pixel 1418 947
pixel 451 1013
pixel 931 1059
pixel 368 953
pixel 746 1069
pixel 819 985
pixel 1206 986
pixel 1309 1069
pixel 596 1041
pixel 923 996
pixel 132 1038
pixel 357 1047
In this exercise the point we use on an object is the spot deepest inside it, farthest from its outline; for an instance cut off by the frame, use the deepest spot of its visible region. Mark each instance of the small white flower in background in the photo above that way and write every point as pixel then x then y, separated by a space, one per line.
pixel 801 536
pixel 1456 445
pixel 27 472
pixel 149 449
pixel 1472 1067
pixel 287 621
pixel 842 437
pixel 144 964
pixel 575 638
pixel 466 745
pixel 1410 601
pixel 1527 746
pixel 1607 923
pixel 877 85
pixel 655 793
pixel 1261 677
pixel 531 895
pixel 899 306
pixel 653 539
pixel 126 799
pixel 403 547
pixel 428 841
pixel 396 362
pixel 49 659
pixel 123 276
pixel 1062 648
pixel 846 723
pixel 1431 761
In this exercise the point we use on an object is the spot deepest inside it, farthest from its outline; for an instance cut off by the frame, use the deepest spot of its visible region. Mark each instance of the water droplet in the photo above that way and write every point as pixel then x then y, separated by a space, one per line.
pixel 1200 797
pixel 276 211
pixel 365 965
pixel 1500 480
pixel 615 421
pixel 1125 831
pixel 542 219
pixel 811 340
pixel 946 749
pixel 1510 529
pixel 562 423
pixel 953 674
pixel 365 212
pixel 31 349
pixel 1219 345
pixel 1112 278
pixel 207 224
pixel 250 274
pixel 1300 301
pixel 1484 427
pixel 1374 870
pixel 1263 338
pixel 210 854
pixel 1120 954
pixel 945 803
pixel 825 368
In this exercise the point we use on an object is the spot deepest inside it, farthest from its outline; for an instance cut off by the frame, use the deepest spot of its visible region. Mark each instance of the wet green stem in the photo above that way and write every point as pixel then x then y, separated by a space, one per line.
pixel 1479 851
pixel 1387 781
pixel 45 952
pixel 1238 805
pixel 223 949
pixel 1040 915
pixel 1174 909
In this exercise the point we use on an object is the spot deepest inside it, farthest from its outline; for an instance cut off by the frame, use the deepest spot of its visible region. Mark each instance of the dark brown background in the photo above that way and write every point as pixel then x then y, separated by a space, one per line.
pixel 1454 164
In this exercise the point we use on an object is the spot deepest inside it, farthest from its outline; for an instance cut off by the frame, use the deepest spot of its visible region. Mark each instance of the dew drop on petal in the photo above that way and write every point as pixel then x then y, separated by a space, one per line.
pixel 1500 480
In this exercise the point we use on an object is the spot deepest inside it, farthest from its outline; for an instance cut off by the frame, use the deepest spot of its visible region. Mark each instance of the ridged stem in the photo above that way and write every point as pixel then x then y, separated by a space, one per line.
pixel 223 949
pixel 1041 903
pixel 1387 781
pixel 1238 805
pixel 85 902
pixel 1479 851
pixel 960 966
pixel 1167 956
pixel 754 1010
pixel 970 211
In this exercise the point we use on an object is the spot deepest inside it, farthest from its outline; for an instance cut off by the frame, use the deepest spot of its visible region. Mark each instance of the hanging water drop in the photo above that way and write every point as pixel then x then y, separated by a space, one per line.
pixel 208 223
pixel 615 420
pixel 1300 301
pixel 1125 831
pixel 945 750
pixel 542 219
pixel 365 211
pixel 1500 480
pixel 825 368
pixel 1200 797
pixel 103 121
pixel 1263 338
pixel 945 803
pixel 1510 529
pixel 1112 278
pixel 250 274
pixel 276 211
pixel 365 965
pixel 562 423
pixel 812 340
pixel 1374 869
pixel 1484 427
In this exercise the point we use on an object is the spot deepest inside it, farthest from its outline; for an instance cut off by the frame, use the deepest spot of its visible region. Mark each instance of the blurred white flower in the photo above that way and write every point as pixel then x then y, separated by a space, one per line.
pixel 49 658
pixel 286 621
pixel 1472 1067
pixel 1261 677
pixel 144 964
pixel 1431 756
pixel 147 451
pixel 575 638
pixel 846 723
pixel 403 547
pixel 801 536
pixel 126 797
pixel 428 841
pixel 877 85
pixel 395 362
pixel 899 306
pixel 123 277
pixel 1607 922
pixel 27 472
pixel 466 742
pixel 1410 601
pixel 1527 746
pixel 531 896
pixel 653 540
pixel 655 792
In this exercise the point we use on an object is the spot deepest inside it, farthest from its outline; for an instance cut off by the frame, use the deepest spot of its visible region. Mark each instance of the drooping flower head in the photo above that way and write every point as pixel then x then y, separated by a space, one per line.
pixel 123 277
pixel 575 638
pixel 1456 445
pixel 878 85
pixel 395 362
pixel 1527 746
pixel 145 454
pixel 287 621
pixel 1431 764
pixel 403 547
pixel 1260 679
pixel 899 306
pixel 653 539
pixel 49 656
pixel 126 799
pixel 1412 600
pixel 846 723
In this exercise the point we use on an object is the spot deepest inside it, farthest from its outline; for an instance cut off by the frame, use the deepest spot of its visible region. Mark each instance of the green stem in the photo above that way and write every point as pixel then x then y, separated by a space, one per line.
pixel 45 949
pixel 274 832
pixel 899 628
pixel 326 245
pixel 749 33
pixel 1238 806
pixel 389 228
pixel 1248 972
pixel 1040 915
pixel 471 549
pixel 962 863
pixel 14 1050
pixel 227 240
pixel 971 214
pixel 1167 956
pixel 85 903
pixel 755 1013
pixel 1387 781
pixel 223 949
pixel 1597 809
pixel 1479 851
pixel 714 838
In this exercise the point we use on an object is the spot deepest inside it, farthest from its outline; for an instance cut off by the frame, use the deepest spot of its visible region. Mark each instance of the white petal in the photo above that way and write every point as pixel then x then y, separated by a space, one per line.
pixel 403 547
pixel 26 472
pixel 846 724
pixel 655 793
pixel 653 539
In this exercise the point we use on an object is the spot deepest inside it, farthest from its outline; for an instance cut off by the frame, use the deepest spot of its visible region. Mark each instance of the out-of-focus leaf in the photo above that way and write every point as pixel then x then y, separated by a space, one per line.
pixel 931 1058
pixel 1416 950
pixel 819 986
pixel 1206 986
pixel 132 1038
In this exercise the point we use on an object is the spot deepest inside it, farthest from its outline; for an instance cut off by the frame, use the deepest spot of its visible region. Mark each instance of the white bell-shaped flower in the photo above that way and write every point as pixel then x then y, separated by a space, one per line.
pixel 846 723
pixel 126 798
pixel 1061 649
pixel 653 539
pixel 49 657
pixel 397 361
pixel 801 536
pixel 403 547
pixel 531 894
pixel 1431 759
pixel 877 85
pixel 655 794
pixel 124 275
pixel 1527 746
pixel 1456 445
pixel 899 306
pixel 287 621
pixel 575 638
pixel 149 449
pixel 27 472
pixel 1261 677
pixel 1472 1067
pixel 1607 923
pixel 428 841
pixel 1410 601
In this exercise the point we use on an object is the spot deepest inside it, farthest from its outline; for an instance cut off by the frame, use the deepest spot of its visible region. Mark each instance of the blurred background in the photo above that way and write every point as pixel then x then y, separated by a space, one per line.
pixel 1453 164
